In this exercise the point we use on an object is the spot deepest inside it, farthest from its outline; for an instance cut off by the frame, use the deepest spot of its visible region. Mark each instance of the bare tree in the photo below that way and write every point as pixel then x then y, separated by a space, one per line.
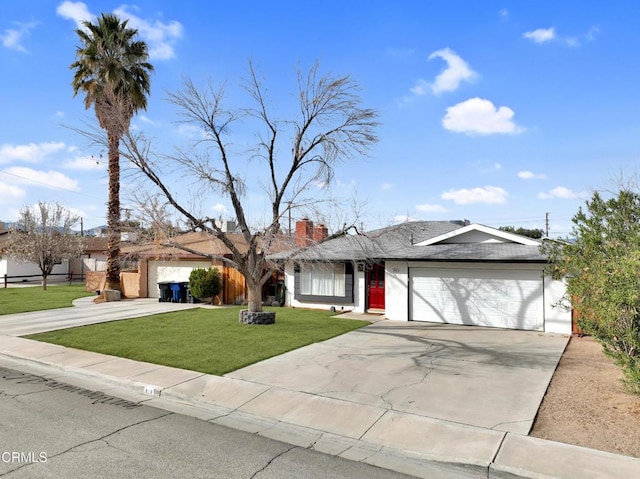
pixel 293 156
pixel 43 235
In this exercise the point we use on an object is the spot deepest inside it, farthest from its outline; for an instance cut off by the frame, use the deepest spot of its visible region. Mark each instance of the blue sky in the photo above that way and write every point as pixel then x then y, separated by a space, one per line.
pixel 496 112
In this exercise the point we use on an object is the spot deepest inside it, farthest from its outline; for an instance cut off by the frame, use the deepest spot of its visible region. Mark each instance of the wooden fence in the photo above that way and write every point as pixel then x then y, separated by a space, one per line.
pixel 37 278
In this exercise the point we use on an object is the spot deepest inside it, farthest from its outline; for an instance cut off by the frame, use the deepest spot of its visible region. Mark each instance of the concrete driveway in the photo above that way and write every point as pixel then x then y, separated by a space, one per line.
pixel 485 377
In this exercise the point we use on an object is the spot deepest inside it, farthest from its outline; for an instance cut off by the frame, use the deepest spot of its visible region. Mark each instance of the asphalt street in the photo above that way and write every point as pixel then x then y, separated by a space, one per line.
pixel 52 429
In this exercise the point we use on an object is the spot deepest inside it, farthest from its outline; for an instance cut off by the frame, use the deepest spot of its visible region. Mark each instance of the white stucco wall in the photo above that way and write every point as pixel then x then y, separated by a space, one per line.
pixel 359 291
pixel 557 316
pixel 15 268
pixel 97 262
pixel 396 291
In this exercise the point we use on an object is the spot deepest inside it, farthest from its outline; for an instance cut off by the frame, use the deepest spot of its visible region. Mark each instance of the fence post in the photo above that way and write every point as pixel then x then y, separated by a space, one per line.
pixel 5 281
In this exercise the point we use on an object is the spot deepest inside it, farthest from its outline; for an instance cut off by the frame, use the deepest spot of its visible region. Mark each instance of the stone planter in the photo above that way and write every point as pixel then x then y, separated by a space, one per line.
pixel 112 295
pixel 263 317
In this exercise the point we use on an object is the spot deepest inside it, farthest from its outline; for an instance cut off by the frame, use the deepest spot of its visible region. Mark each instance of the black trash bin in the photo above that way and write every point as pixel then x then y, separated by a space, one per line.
pixel 179 291
pixel 165 291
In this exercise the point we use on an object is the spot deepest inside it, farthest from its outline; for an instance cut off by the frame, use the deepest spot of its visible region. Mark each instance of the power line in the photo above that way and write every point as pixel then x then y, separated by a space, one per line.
pixel 48 185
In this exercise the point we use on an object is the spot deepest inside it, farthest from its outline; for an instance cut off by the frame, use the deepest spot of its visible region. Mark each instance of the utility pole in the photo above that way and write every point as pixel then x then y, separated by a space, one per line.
pixel 546 223
pixel 81 227
pixel 289 210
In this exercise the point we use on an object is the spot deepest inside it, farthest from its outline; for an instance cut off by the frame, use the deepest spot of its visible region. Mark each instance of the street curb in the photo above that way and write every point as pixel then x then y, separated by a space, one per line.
pixel 517 456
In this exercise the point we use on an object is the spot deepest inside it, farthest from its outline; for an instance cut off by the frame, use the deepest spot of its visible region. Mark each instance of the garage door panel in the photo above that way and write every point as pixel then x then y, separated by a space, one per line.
pixel 496 298
pixel 170 271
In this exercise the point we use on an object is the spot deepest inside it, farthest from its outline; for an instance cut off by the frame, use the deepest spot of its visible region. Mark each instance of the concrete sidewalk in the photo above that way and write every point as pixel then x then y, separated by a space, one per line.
pixel 84 311
pixel 334 409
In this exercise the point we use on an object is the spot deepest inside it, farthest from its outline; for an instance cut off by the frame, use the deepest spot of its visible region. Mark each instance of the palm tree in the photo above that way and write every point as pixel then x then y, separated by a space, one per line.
pixel 111 69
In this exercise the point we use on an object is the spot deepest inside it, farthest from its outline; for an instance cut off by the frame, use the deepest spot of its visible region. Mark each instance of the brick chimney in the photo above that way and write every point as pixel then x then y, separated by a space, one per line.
pixel 304 232
pixel 320 232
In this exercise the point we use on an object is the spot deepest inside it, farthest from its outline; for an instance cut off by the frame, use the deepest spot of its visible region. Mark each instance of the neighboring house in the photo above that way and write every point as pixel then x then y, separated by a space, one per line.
pixel 15 271
pixel 436 271
pixel 94 257
pixel 158 263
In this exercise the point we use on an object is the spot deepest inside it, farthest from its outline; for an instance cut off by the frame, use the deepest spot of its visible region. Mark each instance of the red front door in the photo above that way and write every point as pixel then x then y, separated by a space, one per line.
pixel 375 284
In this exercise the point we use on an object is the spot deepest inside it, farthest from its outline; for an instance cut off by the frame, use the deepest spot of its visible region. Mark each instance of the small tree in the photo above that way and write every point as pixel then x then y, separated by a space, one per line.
pixel 205 283
pixel 602 267
pixel 43 235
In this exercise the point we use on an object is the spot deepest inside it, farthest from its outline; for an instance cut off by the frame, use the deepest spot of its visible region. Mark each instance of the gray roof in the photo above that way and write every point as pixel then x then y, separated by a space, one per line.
pixel 399 242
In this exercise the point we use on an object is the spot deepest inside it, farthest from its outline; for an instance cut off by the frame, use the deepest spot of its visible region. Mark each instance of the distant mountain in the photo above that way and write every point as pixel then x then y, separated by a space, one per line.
pixel 97 231
pixel 5 225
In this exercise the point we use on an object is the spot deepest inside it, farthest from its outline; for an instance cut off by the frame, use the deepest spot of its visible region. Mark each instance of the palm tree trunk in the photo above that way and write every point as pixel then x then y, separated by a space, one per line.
pixel 113 214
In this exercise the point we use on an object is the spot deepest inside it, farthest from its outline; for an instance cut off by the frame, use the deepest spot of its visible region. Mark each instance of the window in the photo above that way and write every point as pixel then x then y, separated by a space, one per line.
pixel 322 279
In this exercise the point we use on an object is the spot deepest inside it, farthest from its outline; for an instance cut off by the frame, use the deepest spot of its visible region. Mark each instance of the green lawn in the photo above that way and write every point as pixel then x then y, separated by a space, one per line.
pixel 206 340
pixel 34 298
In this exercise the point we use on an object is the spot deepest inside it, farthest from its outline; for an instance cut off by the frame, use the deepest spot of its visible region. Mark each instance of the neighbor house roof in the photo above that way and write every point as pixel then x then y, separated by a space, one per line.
pixel 426 241
pixel 197 241
pixel 95 244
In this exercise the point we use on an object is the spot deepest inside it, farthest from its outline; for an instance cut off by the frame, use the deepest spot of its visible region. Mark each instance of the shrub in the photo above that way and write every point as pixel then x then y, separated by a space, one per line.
pixel 602 269
pixel 205 283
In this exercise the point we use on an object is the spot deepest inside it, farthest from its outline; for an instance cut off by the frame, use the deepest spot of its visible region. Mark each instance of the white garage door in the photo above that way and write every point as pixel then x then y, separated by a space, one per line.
pixel 170 271
pixel 481 297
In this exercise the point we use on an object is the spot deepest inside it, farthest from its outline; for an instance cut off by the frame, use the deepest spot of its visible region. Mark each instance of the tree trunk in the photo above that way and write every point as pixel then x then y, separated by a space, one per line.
pixel 113 215
pixel 254 297
pixel 44 282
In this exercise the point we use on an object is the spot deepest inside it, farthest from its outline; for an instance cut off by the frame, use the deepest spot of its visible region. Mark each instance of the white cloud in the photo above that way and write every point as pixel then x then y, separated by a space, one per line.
pixel 591 34
pixel 403 219
pixel 84 163
pixel 190 131
pixel 450 78
pixel 477 116
pixel 31 152
pixel 431 208
pixel 10 193
pixel 160 36
pixel 76 11
pixel 146 119
pixel 421 88
pixel 220 209
pixel 387 186
pixel 12 37
pixel 487 194
pixel 561 192
pixel 49 179
pixel 528 175
pixel 504 14
pixel 457 71
pixel 541 35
